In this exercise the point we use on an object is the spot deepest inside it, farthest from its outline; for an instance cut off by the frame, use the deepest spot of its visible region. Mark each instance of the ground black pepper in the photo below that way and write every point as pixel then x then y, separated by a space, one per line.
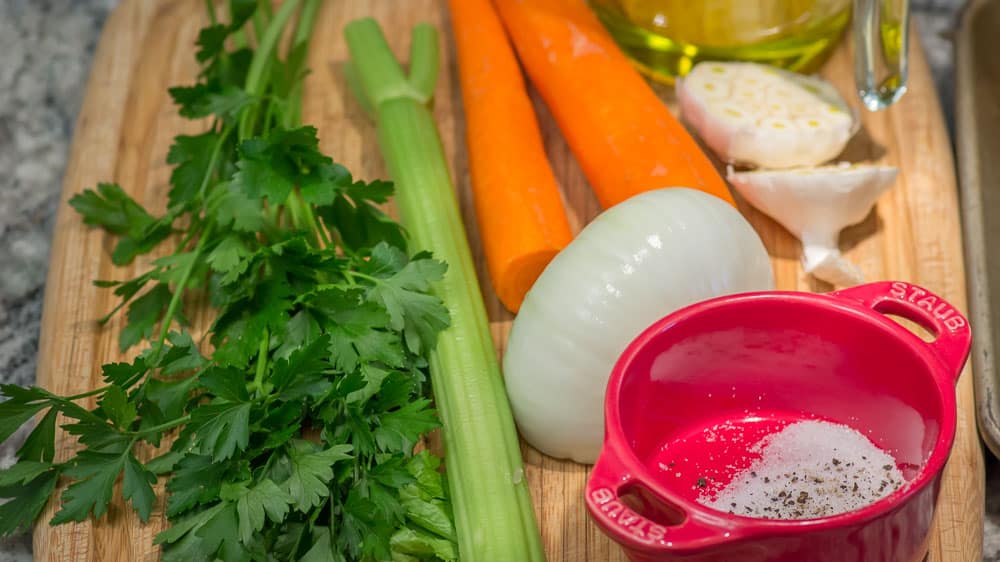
pixel 809 487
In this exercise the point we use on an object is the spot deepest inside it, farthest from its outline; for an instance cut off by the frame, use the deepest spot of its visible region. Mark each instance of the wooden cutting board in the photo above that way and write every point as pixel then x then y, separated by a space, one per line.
pixel 127 123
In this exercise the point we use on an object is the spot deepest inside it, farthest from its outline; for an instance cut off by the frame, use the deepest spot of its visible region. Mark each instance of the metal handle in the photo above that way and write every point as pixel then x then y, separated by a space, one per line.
pixel 950 328
pixel 881 43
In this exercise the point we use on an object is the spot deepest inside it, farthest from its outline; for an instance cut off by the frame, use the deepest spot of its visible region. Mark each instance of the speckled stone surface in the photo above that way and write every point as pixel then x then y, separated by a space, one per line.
pixel 45 52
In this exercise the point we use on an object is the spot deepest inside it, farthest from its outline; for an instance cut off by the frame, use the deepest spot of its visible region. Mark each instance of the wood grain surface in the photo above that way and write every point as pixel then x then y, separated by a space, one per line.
pixel 127 123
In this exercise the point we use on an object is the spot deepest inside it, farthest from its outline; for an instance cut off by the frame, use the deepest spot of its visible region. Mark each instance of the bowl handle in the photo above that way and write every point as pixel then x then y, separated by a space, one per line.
pixel 949 327
pixel 633 530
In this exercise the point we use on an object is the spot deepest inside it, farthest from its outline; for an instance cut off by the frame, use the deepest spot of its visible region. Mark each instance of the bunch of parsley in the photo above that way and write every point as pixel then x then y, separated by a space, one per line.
pixel 294 437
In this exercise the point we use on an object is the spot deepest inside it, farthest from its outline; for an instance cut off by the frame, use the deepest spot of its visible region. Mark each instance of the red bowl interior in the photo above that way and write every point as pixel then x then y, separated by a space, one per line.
pixel 749 365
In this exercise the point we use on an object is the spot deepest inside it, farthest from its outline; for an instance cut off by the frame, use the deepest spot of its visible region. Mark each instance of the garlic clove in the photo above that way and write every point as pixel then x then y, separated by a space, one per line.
pixel 757 114
pixel 825 263
pixel 815 204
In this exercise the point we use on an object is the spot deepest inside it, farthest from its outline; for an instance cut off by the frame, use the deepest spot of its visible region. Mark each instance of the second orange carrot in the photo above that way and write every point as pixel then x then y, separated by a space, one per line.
pixel 624 137
pixel 519 209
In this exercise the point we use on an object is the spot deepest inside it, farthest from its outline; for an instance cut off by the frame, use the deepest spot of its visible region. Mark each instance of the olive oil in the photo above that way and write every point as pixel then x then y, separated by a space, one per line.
pixel 665 38
pixel 892 45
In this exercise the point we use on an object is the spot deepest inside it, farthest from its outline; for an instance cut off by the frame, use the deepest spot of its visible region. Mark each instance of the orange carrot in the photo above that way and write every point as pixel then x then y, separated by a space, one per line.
pixel 519 209
pixel 624 138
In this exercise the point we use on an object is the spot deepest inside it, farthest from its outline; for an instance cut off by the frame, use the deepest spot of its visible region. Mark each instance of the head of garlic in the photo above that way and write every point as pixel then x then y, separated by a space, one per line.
pixel 762 116
pixel 815 204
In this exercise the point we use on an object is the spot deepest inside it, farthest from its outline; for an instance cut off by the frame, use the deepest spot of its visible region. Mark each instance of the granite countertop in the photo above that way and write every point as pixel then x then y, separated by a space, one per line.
pixel 45 52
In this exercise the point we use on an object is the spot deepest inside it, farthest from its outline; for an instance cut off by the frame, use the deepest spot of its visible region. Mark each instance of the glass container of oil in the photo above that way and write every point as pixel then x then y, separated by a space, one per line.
pixel 665 38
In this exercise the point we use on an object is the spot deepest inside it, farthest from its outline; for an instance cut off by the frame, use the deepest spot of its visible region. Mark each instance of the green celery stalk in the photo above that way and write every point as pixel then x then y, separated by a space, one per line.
pixel 493 514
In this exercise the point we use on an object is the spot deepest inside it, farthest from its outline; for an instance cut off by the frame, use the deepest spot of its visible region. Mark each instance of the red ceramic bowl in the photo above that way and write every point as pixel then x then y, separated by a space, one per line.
pixel 758 362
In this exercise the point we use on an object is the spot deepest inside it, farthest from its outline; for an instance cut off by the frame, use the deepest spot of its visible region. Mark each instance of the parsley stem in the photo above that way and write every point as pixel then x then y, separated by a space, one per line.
pixel 213 161
pixel 264 6
pixel 273 213
pixel 307 19
pixel 188 236
pixel 87 394
pixel 258 23
pixel 312 521
pixel 210 8
pixel 319 227
pixel 162 427
pixel 258 378
pixel 240 39
pixel 349 277
pixel 300 40
pixel 310 222
pixel 365 276
pixel 292 205
pixel 239 36
pixel 177 297
pixel 256 81
pixel 268 117
pixel 292 115
pixel 303 218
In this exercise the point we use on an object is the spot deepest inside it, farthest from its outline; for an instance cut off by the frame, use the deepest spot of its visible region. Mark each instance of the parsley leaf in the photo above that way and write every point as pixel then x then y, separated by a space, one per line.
pixel 14 413
pixel 271 166
pixel 95 474
pixel 252 504
pixel 292 422
pixel 197 479
pixel 301 368
pixel 209 535
pixel 235 331
pixel 322 550
pixel 323 187
pixel 231 207
pixel 112 209
pixel 403 291
pixel 302 330
pixel 181 355
pixel 137 487
pixel 423 546
pixel 361 224
pixel 170 396
pixel 22 473
pixel 191 156
pixel 402 428
pixel 221 429
pixel 190 523
pixel 41 442
pixel 117 407
pixel 202 100
pixel 143 314
pixel 124 374
pixel 229 257
pixel 211 40
pixel 311 473
pixel 424 499
pixel 27 486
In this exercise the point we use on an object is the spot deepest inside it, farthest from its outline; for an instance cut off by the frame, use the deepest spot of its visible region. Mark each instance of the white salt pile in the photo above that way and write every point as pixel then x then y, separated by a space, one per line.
pixel 809 469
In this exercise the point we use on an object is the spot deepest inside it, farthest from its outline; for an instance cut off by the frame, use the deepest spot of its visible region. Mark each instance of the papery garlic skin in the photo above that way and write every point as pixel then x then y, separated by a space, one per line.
pixel 763 116
pixel 815 204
